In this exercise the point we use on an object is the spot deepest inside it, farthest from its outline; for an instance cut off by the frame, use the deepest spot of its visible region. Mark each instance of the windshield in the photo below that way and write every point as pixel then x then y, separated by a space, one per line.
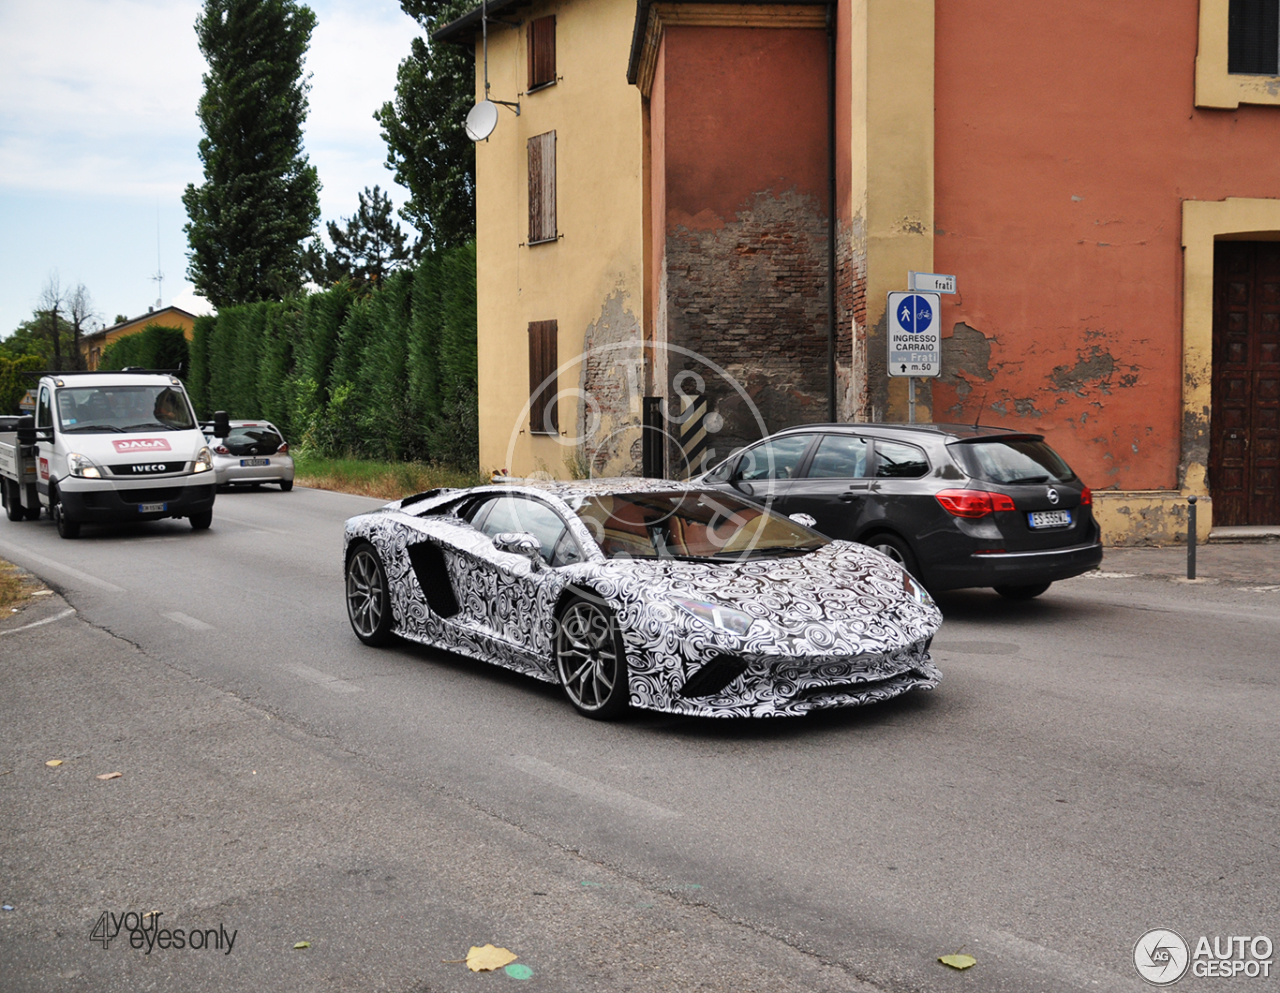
pixel 690 525
pixel 1012 461
pixel 123 409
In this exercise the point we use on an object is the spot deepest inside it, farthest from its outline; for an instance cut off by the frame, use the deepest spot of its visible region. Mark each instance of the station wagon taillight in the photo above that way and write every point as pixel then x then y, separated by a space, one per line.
pixel 1086 497
pixel 973 503
pixel 283 449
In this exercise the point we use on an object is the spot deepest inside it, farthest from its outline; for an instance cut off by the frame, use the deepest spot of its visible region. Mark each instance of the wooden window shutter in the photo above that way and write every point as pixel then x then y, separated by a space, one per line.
pixel 542 52
pixel 542 188
pixel 543 415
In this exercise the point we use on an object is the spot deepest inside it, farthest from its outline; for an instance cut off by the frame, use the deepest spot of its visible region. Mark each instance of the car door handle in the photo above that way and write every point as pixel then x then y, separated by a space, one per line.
pixel 848 497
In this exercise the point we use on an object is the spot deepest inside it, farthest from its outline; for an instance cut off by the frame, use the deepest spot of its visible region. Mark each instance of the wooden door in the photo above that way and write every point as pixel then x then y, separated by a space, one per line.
pixel 1244 447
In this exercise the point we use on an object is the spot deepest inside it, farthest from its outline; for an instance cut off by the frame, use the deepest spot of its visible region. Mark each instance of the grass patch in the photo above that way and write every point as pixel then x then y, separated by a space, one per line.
pixel 15 585
pixel 384 480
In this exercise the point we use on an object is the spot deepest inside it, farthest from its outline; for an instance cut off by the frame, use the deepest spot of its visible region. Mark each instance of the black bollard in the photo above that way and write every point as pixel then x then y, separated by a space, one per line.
pixel 1191 537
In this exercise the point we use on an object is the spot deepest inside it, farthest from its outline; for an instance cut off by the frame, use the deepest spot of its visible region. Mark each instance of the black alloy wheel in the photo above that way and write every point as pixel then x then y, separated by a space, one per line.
pixel 591 660
pixel 368 597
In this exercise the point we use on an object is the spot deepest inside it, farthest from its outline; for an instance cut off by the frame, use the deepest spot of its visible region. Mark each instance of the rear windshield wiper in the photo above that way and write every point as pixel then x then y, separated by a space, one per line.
pixel 1027 479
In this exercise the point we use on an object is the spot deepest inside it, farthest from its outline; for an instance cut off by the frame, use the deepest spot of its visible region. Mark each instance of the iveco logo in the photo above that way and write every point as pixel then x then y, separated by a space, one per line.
pixel 156 467
pixel 1053 495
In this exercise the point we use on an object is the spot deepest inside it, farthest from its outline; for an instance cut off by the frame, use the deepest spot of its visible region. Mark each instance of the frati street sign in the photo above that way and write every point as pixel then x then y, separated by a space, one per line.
pixel 931 282
pixel 915 344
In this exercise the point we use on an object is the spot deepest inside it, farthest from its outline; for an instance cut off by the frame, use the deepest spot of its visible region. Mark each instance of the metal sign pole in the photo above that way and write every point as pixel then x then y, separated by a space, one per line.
pixel 911 399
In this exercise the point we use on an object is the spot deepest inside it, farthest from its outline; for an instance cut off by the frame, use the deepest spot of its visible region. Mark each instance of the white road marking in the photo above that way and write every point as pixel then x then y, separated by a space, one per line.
pixel 1084 975
pixel 589 788
pixel 188 621
pixel 48 620
pixel 84 577
pixel 331 683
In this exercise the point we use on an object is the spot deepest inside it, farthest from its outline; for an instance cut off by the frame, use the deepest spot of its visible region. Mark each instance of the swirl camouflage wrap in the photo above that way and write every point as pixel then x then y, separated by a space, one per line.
pixel 830 624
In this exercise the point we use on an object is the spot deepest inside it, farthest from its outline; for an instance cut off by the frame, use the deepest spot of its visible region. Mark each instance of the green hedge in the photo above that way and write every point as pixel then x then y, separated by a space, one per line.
pixel 156 346
pixel 13 384
pixel 390 374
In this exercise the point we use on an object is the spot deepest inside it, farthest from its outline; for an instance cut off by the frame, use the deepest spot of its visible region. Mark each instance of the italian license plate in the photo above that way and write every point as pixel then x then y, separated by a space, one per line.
pixel 152 508
pixel 1049 518
pixel 255 461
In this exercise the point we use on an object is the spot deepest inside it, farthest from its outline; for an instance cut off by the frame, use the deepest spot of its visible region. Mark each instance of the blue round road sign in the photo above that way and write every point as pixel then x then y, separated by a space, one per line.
pixel 914 314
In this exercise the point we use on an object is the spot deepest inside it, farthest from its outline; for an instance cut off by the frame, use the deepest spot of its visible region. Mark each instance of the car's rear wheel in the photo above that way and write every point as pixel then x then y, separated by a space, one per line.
pixel 893 547
pixel 286 485
pixel 13 507
pixel 368 596
pixel 201 521
pixel 67 528
pixel 1028 592
pixel 591 660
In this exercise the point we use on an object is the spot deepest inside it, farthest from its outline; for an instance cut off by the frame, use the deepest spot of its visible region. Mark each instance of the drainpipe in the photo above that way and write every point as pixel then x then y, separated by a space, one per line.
pixel 831 211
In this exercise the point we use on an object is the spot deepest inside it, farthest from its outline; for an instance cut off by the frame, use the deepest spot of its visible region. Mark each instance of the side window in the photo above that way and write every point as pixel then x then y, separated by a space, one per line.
pixel 542 188
pixel 776 459
pixel 839 456
pixel 515 513
pixel 1253 37
pixel 542 52
pixel 895 460
pixel 44 409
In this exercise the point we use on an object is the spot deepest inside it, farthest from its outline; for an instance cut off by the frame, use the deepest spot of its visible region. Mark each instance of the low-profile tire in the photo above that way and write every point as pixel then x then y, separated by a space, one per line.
pixel 286 485
pixel 1028 592
pixel 897 549
pixel 67 528
pixel 368 596
pixel 201 521
pixel 591 660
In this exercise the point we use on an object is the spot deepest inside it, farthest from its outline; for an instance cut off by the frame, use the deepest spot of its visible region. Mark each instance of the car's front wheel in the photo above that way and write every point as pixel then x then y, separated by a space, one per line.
pixel 368 596
pixel 1027 592
pixel 591 660
pixel 201 521
pixel 67 528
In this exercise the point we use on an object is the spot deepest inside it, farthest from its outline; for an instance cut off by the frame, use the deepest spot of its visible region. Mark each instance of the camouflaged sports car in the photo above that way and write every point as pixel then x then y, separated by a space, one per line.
pixel 642 593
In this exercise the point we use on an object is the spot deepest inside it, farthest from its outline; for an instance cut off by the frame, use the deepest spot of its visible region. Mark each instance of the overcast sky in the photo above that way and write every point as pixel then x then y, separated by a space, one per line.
pixel 98 138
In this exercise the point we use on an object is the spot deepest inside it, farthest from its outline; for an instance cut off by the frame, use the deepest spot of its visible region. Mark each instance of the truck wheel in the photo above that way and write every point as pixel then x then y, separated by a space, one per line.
pixel 12 506
pixel 201 521
pixel 67 528
pixel 33 512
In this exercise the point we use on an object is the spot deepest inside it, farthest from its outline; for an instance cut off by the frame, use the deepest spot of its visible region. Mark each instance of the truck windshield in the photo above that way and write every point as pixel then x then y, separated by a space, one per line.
pixel 123 409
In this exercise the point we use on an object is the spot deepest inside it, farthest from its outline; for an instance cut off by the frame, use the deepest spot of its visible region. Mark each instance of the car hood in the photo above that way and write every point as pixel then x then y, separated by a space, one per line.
pixel 112 448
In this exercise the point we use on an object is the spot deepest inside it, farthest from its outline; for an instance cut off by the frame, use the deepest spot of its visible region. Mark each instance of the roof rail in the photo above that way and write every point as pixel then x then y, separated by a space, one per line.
pixel 130 371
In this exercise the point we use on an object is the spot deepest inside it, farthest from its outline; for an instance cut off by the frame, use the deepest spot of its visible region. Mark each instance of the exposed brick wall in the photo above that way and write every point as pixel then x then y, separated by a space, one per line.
pixel 611 384
pixel 750 296
pixel 851 321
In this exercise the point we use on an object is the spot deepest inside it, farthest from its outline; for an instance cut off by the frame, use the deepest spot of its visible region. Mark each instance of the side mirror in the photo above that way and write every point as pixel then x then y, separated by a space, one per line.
pixel 520 543
pixel 26 430
pixel 221 423
pixel 808 520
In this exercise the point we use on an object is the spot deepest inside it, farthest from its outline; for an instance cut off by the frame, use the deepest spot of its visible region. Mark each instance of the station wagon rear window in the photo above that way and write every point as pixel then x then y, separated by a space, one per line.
pixel 1012 461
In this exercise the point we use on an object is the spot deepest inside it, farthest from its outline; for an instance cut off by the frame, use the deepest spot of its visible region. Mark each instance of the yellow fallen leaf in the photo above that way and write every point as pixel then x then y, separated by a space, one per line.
pixel 302 944
pixel 958 961
pixel 54 763
pixel 488 958
pixel 111 775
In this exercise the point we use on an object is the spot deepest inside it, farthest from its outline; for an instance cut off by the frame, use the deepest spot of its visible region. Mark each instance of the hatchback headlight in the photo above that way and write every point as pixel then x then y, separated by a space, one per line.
pixel 719 616
pixel 82 466
pixel 204 460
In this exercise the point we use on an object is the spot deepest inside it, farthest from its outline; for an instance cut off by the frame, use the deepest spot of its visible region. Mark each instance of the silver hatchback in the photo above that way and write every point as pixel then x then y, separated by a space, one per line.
pixel 252 452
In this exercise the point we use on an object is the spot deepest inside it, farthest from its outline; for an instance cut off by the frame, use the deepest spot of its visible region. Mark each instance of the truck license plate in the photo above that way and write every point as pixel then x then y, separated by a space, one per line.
pixel 152 508
pixel 1050 518
pixel 255 461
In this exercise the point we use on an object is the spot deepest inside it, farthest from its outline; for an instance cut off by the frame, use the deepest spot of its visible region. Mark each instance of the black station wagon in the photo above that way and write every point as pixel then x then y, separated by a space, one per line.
pixel 957 505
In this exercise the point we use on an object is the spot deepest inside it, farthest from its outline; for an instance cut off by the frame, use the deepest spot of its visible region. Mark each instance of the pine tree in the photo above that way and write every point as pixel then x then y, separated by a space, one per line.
pixel 366 251
pixel 260 198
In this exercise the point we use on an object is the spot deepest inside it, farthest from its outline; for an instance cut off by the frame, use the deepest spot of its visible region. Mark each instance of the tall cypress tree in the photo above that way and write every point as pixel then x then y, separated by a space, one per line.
pixel 260 198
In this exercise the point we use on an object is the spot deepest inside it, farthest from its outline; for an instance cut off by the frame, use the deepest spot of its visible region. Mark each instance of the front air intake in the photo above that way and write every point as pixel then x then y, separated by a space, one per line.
pixel 714 676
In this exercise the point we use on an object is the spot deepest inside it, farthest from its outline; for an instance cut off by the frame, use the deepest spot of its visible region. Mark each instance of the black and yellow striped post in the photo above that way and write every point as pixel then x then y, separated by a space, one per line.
pixel 692 433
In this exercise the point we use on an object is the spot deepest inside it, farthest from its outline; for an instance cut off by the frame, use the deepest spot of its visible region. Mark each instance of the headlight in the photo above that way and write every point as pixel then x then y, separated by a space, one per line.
pixel 204 460
pixel 718 616
pixel 82 466
pixel 914 590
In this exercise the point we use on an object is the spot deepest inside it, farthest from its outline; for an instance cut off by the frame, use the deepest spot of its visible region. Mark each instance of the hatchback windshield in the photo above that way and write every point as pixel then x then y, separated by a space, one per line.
pixel 123 409
pixel 1012 461
pixel 690 525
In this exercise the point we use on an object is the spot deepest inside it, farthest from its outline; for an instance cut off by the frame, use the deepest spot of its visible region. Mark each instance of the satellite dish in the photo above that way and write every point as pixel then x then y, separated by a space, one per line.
pixel 481 120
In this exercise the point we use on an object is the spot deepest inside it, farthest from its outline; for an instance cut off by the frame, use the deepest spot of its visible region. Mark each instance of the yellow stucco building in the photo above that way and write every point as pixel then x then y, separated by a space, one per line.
pixel 93 345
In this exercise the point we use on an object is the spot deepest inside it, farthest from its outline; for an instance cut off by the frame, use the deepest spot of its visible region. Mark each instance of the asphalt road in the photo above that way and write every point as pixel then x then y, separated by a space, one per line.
pixel 1096 763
